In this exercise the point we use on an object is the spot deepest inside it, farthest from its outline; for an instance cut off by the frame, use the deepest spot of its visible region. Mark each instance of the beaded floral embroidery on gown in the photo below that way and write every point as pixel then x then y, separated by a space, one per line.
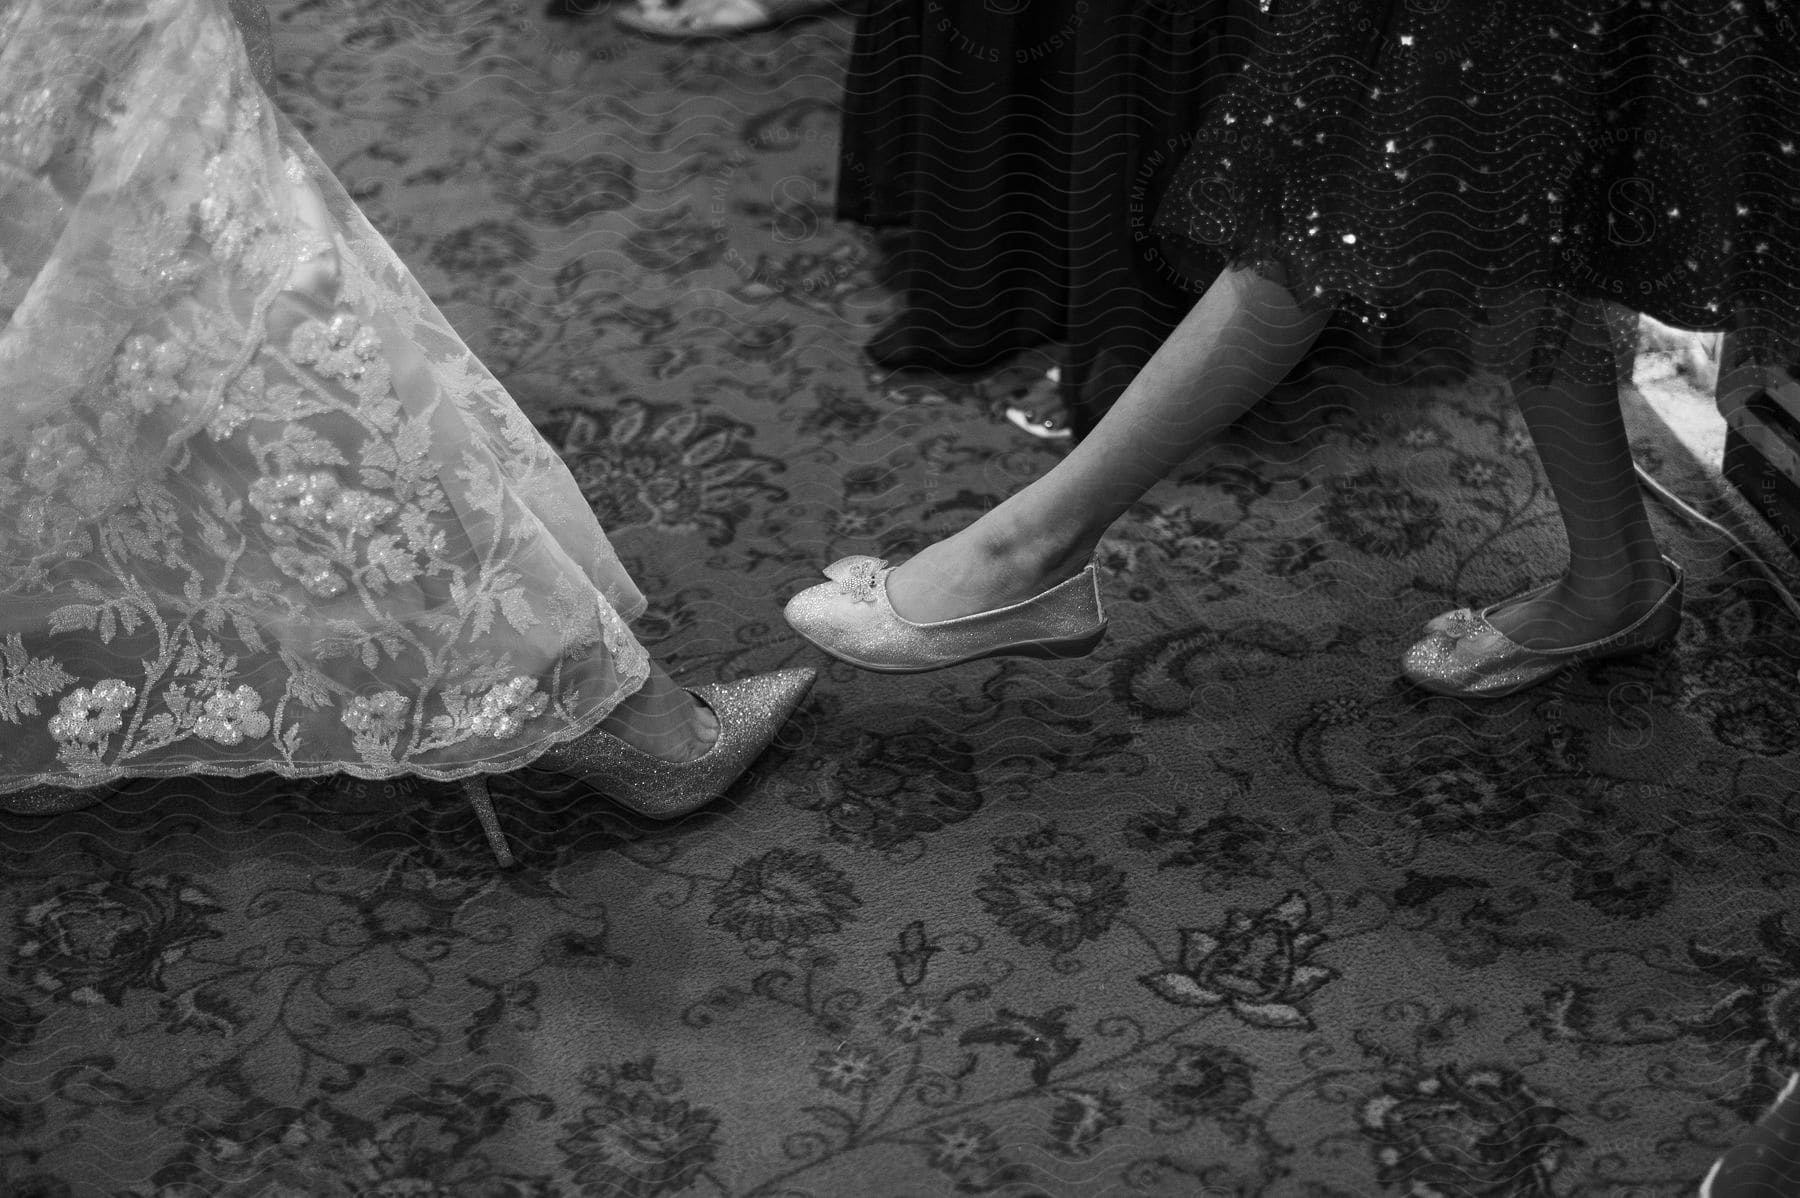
pixel 260 508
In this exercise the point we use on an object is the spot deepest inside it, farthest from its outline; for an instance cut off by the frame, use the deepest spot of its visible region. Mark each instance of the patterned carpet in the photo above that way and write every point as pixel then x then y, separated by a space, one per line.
pixel 1222 910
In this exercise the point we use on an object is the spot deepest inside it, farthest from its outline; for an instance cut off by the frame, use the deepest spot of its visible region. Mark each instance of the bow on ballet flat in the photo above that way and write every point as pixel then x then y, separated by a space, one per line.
pixel 855 576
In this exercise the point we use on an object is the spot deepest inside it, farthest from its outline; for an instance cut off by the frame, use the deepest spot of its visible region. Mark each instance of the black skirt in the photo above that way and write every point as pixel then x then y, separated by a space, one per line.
pixel 1402 157
pixel 1024 147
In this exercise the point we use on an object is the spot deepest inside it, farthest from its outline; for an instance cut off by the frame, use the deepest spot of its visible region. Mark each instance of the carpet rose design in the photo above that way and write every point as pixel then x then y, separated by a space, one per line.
pixel 1760 1015
pixel 820 282
pixel 1738 681
pixel 1459 1133
pixel 204 1009
pixel 767 341
pixel 417 904
pixel 1201 546
pixel 1044 1040
pixel 1478 790
pixel 1621 876
pixel 1045 890
pixel 889 788
pixel 968 1152
pixel 1257 965
pixel 849 1069
pixel 678 243
pixel 1761 722
pixel 784 897
pixel 1478 473
pixel 435 1142
pixel 911 1018
pixel 838 413
pixel 1749 702
pixel 666 466
pixel 1455 796
pixel 92 942
pixel 564 190
pixel 1225 847
pixel 483 248
pixel 1377 513
pixel 1203 1081
pixel 1080 1120
pixel 635 1138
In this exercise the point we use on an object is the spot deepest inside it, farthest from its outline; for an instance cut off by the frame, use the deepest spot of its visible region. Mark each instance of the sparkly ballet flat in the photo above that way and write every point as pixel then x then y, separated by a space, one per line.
pixel 851 619
pixel 52 800
pixel 1464 655
pixel 750 713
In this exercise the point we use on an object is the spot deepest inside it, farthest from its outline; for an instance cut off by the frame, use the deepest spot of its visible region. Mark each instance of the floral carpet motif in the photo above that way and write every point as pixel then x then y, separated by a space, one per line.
pixel 1223 909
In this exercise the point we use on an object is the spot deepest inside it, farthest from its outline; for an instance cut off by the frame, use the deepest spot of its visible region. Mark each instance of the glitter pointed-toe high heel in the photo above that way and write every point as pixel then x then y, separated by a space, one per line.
pixel 750 713
pixel 1463 655
pixel 851 619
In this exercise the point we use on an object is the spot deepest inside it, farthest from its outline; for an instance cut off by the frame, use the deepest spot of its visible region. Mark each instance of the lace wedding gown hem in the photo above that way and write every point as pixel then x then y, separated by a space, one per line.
pixel 260 508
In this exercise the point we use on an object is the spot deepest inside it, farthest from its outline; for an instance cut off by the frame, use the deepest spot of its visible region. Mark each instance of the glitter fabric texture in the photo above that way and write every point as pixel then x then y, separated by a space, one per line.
pixel 1403 157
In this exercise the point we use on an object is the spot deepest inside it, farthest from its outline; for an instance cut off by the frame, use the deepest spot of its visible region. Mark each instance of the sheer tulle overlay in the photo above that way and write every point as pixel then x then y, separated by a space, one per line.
pixel 1448 158
pixel 260 508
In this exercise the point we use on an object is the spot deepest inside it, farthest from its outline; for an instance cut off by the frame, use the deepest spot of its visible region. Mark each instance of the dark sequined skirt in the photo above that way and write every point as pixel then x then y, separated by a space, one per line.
pixel 1398 157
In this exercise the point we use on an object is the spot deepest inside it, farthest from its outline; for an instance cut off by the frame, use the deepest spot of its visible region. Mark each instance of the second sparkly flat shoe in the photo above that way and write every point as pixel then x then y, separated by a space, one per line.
pixel 1464 655
pixel 750 711
pixel 851 619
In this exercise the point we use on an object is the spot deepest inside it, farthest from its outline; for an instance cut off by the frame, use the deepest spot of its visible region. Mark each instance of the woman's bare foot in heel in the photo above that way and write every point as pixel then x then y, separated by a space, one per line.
pixel 663 720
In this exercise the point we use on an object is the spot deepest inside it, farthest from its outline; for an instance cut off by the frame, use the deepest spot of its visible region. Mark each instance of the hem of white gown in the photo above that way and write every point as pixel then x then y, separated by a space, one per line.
pixel 366 771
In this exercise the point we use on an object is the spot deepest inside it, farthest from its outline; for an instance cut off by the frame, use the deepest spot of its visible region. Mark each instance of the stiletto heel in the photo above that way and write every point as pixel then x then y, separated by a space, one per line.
pixel 475 788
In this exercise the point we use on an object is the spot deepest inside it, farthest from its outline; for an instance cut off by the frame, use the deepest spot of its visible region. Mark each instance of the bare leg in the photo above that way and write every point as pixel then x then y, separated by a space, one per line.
pixel 1615 570
pixel 1245 334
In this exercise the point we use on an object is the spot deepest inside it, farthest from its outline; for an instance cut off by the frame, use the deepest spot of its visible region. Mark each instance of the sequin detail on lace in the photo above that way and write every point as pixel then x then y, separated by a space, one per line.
pixel 505 709
pixel 380 717
pixel 230 716
pixel 89 715
pixel 260 508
